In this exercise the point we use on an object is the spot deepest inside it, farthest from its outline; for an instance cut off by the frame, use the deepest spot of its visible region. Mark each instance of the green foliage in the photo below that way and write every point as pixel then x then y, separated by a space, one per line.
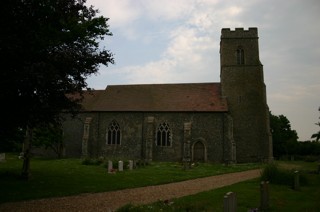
pixel 285 143
pixel 283 137
pixel 282 197
pixel 316 136
pixel 89 161
pixel 63 177
pixel 49 136
pixel 311 158
pixel 273 174
pixel 11 139
pixel 276 175
pixel 68 177
pixel 308 148
pixel 48 49
pixel 128 207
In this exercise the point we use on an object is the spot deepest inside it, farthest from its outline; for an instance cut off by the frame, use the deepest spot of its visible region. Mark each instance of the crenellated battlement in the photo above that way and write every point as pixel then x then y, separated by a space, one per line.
pixel 242 83
pixel 252 32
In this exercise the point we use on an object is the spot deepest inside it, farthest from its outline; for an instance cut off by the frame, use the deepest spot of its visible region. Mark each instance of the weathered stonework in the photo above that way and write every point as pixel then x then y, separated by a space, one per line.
pixel 225 122
pixel 187 142
pixel 206 127
pixel 85 138
pixel 244 88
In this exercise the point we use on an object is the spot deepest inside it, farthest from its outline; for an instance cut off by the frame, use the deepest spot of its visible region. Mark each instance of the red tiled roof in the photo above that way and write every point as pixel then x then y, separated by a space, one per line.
pixel 157 97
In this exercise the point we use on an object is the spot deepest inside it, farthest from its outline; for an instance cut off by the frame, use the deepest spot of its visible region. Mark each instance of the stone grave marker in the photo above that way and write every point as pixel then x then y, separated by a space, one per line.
pixel 230 202
pixel 110 166
pixel 296 185
pixel 130 164
pixel 120 166
pixel 264 195
pixel 2 157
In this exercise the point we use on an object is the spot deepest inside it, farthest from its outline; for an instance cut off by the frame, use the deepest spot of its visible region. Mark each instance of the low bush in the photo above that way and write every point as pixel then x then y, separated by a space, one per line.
pixel 307 158
pixel 89 161
pixel 276 175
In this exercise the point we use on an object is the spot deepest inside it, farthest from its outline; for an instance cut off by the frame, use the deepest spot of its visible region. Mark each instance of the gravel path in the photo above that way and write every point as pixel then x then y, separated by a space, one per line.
pixel 110 201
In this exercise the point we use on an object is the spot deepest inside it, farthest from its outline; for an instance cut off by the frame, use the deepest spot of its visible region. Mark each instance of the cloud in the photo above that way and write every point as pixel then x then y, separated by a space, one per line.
pixel 185 60
pixel 293 93
pixel 178 41
pixel 120 12
pixel 168 10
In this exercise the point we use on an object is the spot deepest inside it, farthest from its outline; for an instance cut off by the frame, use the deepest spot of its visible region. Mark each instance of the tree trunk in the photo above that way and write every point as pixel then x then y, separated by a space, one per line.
pixel 25 174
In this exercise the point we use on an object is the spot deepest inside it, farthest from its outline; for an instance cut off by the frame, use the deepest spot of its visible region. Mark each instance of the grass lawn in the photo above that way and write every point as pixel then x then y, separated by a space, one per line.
pixel 63 177
pixel 282 197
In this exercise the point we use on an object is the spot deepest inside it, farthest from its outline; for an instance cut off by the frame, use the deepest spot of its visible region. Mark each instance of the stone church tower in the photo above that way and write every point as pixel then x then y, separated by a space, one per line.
pixel 222 122
pixel 243 85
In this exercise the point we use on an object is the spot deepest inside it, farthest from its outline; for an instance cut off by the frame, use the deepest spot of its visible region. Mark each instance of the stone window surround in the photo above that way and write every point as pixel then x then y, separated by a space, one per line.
pixel 113 133
pixel 240 55
pixel 164 129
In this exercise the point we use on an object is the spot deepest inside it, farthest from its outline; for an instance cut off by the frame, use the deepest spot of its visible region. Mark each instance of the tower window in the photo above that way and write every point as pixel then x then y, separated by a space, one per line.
pixel 113 133
pixel 240 56
pixel 164 135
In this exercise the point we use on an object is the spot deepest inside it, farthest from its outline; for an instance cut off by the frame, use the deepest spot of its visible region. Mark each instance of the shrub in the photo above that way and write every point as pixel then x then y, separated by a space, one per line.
pixel 89 161
pixel 311 158
pixel 275 175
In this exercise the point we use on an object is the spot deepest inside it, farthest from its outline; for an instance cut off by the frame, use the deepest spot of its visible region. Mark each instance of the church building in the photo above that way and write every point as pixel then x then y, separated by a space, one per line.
pixel 221 122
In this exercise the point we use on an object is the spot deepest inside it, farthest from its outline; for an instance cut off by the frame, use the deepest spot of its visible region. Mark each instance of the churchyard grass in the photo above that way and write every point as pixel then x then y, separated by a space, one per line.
pixel 281 197
pixel 64 177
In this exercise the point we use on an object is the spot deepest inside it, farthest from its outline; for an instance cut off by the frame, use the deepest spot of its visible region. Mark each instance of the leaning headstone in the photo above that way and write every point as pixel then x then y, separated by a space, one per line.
pixel 130 164
pixel 120 166
pixel 296 185
pixel 2 157
pixel 110 166
pixel 264 195
pixel 21 155
pixel 230 202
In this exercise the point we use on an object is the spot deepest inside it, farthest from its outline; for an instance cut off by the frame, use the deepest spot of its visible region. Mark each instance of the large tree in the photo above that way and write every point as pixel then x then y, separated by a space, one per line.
pixel 284 138
pixel 317 135
pixel 48 48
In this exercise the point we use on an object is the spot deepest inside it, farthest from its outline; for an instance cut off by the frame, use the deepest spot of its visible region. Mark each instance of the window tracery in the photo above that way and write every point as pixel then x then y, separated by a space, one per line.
pixel 113 133
pixel 164 136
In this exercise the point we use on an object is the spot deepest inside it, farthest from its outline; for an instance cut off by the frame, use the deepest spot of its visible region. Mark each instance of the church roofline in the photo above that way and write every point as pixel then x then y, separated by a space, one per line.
pixel 183 97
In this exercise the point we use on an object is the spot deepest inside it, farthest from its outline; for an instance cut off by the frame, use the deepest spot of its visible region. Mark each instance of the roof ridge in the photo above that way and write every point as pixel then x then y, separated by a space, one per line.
pixel 162 84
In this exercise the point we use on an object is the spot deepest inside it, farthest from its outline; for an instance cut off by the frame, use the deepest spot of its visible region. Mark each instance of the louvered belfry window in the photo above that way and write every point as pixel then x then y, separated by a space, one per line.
pixel 240 56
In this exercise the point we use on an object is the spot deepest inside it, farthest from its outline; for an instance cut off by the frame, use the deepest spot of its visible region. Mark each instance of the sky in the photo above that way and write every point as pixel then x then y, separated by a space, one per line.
pixel 177 41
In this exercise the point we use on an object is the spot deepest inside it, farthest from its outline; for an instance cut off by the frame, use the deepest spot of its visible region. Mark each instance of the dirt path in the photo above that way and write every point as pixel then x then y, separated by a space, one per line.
pixel 110 201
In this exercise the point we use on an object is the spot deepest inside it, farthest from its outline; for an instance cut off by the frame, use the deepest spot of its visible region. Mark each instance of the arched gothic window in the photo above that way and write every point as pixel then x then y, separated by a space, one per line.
pixel 164 137
pixel 240 56
pixel 113 133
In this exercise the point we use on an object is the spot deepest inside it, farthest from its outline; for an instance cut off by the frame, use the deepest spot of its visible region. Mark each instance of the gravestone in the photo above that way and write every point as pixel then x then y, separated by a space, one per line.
pixel 296 185
pixel 110 166
pixel 230 202
pixel 120 166
pixel 264 195
pixel 130 164
pixel 2 157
